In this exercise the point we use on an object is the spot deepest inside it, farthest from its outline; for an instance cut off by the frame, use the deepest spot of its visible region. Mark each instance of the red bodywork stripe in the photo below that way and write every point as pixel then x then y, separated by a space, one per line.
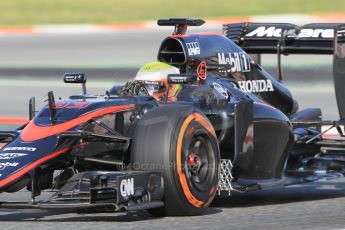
pixel 33 132
pixel 200 34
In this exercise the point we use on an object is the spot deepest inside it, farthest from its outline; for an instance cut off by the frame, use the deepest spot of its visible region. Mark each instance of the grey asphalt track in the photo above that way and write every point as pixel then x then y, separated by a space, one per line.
pixel 87 50
pixel 317 205
pixel 33 65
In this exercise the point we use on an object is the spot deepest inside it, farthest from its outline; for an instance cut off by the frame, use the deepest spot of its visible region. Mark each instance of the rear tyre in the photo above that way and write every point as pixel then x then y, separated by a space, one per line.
pixel 180 142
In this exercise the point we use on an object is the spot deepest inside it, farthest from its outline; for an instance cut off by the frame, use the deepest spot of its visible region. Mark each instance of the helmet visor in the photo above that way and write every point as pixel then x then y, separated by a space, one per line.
pixel 154 87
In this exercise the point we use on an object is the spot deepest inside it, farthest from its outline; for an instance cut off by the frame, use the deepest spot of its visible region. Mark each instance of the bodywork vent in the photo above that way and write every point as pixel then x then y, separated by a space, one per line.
pixel 172 52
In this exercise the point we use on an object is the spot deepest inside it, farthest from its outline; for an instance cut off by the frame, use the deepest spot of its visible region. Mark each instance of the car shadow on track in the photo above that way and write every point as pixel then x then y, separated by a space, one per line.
pixel 61 216
pixel 289 194
pixel 292 194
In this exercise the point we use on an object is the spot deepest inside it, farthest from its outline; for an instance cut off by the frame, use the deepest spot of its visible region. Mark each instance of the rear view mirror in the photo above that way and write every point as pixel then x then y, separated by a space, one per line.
pixel 181 78
pixel 74 78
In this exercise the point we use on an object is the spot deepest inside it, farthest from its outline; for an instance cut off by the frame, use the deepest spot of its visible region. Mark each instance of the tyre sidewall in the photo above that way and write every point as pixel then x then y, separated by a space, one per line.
pixel 156 144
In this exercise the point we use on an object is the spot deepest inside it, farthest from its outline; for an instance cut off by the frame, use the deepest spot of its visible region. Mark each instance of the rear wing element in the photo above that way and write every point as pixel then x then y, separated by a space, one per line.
pixel 260 38
pixel 284 38
pixel 339 68
pixel 180 24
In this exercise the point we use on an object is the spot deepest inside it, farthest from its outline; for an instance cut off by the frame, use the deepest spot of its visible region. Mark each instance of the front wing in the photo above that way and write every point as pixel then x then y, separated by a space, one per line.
pixel 103 191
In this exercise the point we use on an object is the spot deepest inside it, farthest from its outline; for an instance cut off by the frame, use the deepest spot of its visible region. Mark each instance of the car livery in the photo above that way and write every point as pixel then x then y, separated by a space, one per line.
pixel 232 128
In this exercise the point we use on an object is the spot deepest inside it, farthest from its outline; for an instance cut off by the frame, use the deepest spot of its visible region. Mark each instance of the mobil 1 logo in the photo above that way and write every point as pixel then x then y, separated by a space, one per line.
pixel 234 62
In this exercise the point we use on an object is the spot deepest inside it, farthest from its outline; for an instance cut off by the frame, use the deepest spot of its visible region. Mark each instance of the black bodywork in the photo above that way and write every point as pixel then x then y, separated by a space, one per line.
pixel 263 139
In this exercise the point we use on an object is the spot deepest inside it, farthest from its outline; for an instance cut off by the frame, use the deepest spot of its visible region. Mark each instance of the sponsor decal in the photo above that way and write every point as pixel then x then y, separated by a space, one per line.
pixel 248 139
pixel 75 78
pixel 7 156
pixel 193 48
pixel 78 105
pixel 340 34
pixel 178 79
pixel 71 105
pixel 127 187
pixel 256 86
pixel 220 89
pixel 152 82
pixel 272 31
pixel 235 62
pixel 201 70
pixel 8 164
pixel 29 149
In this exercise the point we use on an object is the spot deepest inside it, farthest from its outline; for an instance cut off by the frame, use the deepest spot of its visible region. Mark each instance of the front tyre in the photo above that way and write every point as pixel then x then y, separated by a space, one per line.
pixel 179 141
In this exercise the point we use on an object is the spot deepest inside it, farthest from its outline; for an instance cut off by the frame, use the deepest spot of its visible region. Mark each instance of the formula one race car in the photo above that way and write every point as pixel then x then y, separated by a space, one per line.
pixel 231 128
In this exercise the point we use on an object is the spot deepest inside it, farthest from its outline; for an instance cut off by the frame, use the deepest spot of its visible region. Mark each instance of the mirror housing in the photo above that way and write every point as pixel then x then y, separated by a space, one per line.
pixel 182 78
pixel 74 78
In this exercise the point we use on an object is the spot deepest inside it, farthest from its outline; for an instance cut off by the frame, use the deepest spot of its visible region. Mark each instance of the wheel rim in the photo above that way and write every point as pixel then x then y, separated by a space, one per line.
pixel 200 162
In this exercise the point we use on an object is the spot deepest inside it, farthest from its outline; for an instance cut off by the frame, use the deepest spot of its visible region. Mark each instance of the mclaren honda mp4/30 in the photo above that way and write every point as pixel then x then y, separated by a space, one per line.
pixel 232 128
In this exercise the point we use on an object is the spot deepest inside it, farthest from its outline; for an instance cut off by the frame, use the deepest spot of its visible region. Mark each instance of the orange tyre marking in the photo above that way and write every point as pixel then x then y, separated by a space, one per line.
pixel 195 116
pixel 205 124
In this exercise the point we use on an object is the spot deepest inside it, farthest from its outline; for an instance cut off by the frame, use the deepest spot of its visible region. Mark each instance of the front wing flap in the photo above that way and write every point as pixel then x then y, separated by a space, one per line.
pixel 101 190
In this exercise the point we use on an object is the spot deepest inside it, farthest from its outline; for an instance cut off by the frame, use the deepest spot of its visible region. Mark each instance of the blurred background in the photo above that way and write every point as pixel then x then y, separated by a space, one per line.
pixel 111 39
pixel 31 12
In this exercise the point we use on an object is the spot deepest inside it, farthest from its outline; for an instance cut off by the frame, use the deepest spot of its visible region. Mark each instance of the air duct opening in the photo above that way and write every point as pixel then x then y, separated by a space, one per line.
pixel 172 52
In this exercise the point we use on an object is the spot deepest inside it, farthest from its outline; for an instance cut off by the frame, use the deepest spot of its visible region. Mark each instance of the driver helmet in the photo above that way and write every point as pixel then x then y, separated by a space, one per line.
pixel 154 76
